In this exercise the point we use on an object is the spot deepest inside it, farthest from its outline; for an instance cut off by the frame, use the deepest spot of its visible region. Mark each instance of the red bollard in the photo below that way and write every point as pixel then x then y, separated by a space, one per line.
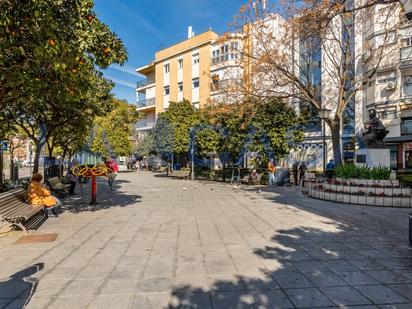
pixel 94 190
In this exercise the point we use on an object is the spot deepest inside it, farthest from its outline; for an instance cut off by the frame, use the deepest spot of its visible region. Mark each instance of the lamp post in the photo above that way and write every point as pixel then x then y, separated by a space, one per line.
pixel 324 114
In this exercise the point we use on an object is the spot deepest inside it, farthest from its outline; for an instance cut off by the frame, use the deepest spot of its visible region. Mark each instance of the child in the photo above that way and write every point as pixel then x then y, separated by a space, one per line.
pixel 38 194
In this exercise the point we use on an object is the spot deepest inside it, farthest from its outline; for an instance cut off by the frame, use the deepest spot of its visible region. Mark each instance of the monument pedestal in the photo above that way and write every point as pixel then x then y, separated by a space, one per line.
pixel 373 157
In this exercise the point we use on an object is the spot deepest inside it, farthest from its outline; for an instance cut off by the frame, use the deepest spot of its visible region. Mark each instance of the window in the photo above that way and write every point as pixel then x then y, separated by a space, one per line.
pixel 180 64
pixel 195 58
pixel 195 82
pixel 388 114
pixel 406 42
pixel 406 126
pixel 166 68
pixel 166 90
pixel 386 78
pixel 180 86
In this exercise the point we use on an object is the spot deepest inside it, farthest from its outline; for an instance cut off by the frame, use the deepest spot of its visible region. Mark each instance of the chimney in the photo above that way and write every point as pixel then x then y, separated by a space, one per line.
pixel 190 33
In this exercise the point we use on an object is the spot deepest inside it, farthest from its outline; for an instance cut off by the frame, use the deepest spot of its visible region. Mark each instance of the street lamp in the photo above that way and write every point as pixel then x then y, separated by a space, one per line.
pixel 407 7
pixel 324 114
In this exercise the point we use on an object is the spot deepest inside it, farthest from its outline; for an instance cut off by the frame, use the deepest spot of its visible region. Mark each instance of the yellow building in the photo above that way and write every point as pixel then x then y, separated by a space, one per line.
pixel 193 69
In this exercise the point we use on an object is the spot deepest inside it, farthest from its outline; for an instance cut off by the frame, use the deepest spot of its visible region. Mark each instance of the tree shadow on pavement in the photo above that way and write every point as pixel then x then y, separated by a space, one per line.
pixel 18 290
pixel 106 197
pixel 338 264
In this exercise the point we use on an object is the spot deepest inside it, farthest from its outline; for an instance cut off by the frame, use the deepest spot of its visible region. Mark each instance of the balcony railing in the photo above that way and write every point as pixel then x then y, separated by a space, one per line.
pixel 225 84
pixel 146 103
pixel 145 124
pixel 226 57
pixel 406 56
pixel 144 82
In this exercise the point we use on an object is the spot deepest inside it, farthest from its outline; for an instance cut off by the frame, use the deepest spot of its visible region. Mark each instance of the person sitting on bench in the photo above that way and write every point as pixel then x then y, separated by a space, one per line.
pixel 71 179
pixel 254 176
pixel 38 194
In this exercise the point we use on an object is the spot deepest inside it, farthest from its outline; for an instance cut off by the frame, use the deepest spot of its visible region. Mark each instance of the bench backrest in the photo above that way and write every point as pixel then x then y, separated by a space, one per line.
pixel 55 183
pixel 14 197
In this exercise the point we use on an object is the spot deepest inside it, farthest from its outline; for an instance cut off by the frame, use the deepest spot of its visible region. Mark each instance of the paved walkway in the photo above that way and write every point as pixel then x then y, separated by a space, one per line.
pixel 162 243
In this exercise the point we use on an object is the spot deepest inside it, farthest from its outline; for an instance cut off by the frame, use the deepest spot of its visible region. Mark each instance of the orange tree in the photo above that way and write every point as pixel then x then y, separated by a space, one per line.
pixel 52 53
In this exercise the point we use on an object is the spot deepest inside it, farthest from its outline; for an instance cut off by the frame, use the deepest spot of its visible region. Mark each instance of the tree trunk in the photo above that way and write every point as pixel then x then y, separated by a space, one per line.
pixel 336 142
pixel 39 146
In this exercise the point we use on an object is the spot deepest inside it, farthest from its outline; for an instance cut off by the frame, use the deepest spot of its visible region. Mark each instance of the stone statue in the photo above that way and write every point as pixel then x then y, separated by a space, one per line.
pixel 375 132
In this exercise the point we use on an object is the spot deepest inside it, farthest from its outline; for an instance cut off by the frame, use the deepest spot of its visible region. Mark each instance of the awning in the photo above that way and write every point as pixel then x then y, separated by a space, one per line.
pixel 398 139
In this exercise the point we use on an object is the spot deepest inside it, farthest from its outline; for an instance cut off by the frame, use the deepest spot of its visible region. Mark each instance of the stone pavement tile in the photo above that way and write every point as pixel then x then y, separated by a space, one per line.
pixel 366 264
pixel 309 266
pixel 259 284
pixel 81 287
pixel 79 302
pixel 128 272
pixel 182 299
pixel 155 285
pixel 13 289
pixel 308 298
pixel 220 268
pixel 225 283
pixel 345 296
pixel 150 301
pixel 110 301
pixel 325 278
pixel 339 266
pixel 6 301
pixel 50 288
pixel 196 281
pixel 389 277
pixel 403 289
pixel 225 300
pixel 275 299
pixel 118 286
pixel 395 306
pixel 94 272
pixel 380 294
pixel 358 278
pixel 38 303
pixel 287 280
pixel 396 264
pixel 407 274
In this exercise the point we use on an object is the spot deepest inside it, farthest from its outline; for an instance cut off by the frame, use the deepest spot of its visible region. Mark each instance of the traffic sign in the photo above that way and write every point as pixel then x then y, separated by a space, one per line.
pixel 4 146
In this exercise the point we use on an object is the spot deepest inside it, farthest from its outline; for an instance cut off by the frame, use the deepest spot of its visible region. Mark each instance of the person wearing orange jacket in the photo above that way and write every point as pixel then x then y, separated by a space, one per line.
pixel 38 194
pixel 271 172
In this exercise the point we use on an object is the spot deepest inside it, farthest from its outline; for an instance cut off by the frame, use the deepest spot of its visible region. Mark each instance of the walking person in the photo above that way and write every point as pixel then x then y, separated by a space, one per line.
pixel 330 168
pixel 114 169
pixel 271 172
pixel 295 171
pixel 302 171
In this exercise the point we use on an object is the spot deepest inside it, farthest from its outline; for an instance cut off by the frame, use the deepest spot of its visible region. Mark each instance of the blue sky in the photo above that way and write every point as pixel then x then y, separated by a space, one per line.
pixel 147 25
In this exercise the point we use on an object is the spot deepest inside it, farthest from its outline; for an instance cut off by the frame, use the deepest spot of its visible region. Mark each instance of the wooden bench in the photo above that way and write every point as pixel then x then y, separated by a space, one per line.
pixel 56 186
pixel 16 211
pixel 180 174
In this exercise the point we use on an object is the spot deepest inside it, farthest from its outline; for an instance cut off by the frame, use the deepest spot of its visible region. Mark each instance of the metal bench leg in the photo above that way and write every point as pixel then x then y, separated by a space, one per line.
pixel 22 227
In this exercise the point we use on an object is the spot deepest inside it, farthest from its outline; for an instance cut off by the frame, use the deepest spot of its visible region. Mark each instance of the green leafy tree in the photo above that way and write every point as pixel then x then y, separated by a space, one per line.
pixel 112 132
pixel 163 136
pixel 276 129
pixel 182 116
pixel 49 70
pixel 208 141
pixel 145 146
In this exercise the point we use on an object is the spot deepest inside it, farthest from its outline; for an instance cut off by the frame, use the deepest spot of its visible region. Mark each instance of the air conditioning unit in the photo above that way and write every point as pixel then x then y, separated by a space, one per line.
pixel 391 86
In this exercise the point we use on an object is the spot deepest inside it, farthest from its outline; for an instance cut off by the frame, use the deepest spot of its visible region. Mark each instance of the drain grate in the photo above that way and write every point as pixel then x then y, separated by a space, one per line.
pixel 30 239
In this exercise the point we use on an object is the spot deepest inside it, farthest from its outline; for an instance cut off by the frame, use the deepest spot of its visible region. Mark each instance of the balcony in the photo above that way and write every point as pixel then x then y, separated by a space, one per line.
pixel 145 125
pixel 406 57
pixel 146 103
pixel 226 85
pixel 226 57
pixel 144 82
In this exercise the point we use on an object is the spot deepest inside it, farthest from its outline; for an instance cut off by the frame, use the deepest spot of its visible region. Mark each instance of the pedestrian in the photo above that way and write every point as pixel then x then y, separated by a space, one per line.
pixel 113 170
pixel 71 179
pixel 302 171
pixel 271 172
pixel 295 171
